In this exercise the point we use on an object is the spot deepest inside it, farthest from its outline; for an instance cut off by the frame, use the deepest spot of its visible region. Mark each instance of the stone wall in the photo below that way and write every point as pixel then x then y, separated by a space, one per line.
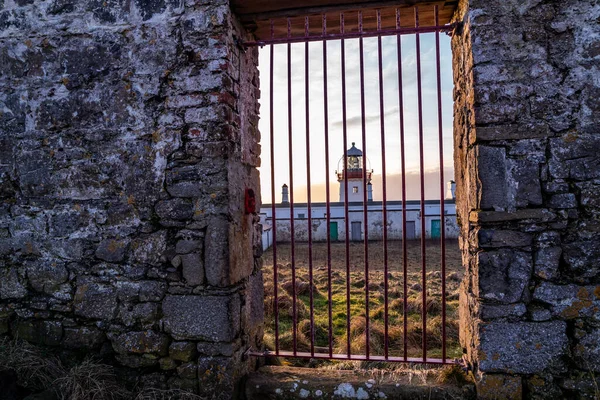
pixel 128 138
pixel 527 157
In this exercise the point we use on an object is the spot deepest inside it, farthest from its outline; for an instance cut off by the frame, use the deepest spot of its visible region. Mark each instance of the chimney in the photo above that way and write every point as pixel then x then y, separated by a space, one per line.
pixel 369 192
pixel 450 190
pixel 284 194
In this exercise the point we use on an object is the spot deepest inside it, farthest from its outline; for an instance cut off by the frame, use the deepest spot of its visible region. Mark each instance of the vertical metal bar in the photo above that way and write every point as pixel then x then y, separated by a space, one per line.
pixel 384 189
pixel 308 188
pixel 365 204
pixel 327 201
pixel 345 177
pixel 442 205
pixel 291 166
pixel 403 168
pixel 274 219
pixel 422 179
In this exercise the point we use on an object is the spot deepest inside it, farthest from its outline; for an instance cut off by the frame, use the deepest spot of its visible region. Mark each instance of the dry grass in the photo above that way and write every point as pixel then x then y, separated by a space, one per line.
pixel 36 370
pixel 354 283
pixel 89 380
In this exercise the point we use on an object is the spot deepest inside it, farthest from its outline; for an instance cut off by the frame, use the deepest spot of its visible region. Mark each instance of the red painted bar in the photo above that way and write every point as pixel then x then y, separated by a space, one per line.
pixel 308 189
pixel 346 214
pixel 353 357
pixel 403 168
pixel 442 205
pixel 290 157
pixel 384 189
pixel 327 201
pixel 365 214
pixel 422 170
pixel 274 223
pixel 353 35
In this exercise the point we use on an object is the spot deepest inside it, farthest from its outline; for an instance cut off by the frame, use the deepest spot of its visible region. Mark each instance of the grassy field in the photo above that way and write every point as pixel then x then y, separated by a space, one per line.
pixel 376 291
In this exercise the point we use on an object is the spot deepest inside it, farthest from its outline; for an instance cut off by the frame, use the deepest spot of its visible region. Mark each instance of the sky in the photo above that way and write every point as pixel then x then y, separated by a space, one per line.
pixel 353 103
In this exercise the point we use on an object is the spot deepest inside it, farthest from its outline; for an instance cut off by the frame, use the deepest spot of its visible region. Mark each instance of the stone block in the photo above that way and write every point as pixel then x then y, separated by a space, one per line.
pixel 48 333
pixel 112 250
pixel 45 275
pixel 216 252
pixel 127 290
pixel 135 361
pixel 186 189
pixel 547 261
pixel 218 349
pixel 167 364
pixel 152 290
pixel 182 351
pixel 10 284
pixel 175 209
pixel 187 246
pixel 503 275
pixel 210 318
pixel 570 301
pixel 489 311
pixel 149 249
pixel 217 374
pixel 563 200
pixel 492 172
pixel 188 370
pixel 83 338
pixel 538 314
pixel 95 301
pixel 525 215
pixel 193 269
pixel 581 257
pixel 499 387
pixel 141 343
pixel 254 313
pixel 522 347
pixel 588 350
pixel 574 157
pixel 503 238
pixel 524 188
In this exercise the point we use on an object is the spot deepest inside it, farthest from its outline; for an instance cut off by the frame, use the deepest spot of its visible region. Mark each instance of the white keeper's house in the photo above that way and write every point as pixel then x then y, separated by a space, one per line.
pixel 352 170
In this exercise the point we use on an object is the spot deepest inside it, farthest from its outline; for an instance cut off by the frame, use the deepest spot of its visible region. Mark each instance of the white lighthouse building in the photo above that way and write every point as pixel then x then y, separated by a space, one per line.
pixel 352 169
pixel 327 220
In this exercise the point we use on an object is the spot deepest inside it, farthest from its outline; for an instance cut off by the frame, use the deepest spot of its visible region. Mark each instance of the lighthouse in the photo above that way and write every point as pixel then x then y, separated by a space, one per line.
pixel 352 169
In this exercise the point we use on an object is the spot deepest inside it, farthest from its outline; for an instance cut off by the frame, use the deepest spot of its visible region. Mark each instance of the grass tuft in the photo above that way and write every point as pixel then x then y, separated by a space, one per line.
pixel 453 375
pixel 40 371
pixel 90 380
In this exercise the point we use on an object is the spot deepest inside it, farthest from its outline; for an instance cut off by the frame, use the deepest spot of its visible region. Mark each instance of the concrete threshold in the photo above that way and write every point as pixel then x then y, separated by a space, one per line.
pixel 277 382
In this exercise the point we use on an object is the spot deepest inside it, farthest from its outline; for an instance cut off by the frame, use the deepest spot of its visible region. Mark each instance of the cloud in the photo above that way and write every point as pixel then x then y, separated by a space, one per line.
pixel 356 120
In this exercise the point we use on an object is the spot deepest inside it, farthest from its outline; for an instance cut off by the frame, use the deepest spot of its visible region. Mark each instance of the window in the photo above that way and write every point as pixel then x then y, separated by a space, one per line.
pixel 301 216
pixel 354 189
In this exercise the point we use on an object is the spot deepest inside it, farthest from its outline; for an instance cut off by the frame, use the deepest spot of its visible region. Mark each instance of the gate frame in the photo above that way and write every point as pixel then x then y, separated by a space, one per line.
pixel 342 35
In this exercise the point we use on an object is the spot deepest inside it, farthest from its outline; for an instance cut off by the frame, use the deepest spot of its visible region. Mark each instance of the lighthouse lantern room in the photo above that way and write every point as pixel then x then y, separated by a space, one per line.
pixel 352 169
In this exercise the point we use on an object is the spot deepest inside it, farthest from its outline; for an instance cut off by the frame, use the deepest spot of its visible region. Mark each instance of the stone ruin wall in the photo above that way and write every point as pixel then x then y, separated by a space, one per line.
pixel 527 157
pixel 128 136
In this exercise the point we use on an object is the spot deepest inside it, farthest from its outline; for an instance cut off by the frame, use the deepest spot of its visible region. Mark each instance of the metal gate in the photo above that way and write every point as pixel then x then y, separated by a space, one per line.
pixel 334 342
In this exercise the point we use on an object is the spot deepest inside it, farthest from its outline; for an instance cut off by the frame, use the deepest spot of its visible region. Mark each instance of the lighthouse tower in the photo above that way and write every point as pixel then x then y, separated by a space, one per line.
pixel 352 168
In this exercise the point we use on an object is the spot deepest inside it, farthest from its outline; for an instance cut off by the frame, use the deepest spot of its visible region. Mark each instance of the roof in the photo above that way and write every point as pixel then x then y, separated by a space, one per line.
pixel 353 151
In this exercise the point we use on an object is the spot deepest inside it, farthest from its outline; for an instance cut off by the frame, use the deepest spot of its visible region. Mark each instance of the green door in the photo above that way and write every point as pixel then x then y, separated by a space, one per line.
pixel 435 228
pixel 333 230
